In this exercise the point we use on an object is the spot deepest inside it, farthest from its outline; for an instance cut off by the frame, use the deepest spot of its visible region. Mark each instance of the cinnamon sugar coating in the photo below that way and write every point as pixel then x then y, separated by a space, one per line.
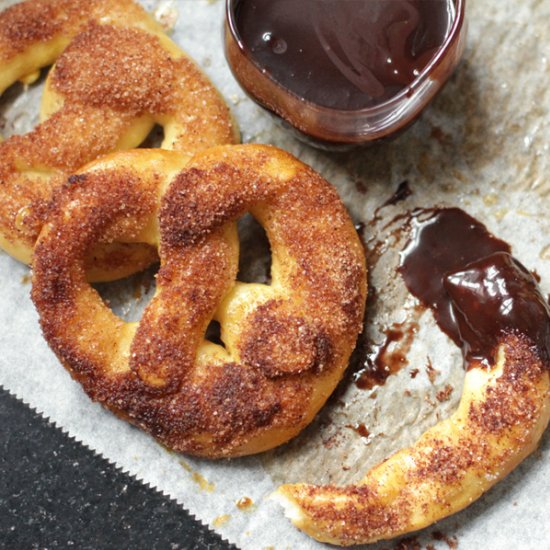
pixel 285 345
pixel 34 22
pixel 104 67
pixel 116 75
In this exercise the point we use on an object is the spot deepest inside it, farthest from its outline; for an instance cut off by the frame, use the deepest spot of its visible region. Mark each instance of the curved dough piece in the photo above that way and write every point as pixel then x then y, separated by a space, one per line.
pixel 502 415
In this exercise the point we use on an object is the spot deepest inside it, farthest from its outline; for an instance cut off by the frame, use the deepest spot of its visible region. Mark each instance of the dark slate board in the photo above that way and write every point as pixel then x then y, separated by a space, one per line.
pixel 56 493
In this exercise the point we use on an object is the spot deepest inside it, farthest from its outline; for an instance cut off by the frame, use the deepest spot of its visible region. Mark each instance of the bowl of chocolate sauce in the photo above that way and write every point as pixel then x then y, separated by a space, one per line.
pixel 344 72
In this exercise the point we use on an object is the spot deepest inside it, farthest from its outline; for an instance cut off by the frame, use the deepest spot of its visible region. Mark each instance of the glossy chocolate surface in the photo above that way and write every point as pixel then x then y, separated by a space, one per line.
pixel 344 54
pixel 475 288
pixel 327 96
pixel 493 296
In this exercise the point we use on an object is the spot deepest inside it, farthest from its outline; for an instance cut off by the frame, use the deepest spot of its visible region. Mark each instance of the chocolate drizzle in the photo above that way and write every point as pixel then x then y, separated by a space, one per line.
pixel 402 193
pixel 389 357
pixel 360 429
pixel 475 288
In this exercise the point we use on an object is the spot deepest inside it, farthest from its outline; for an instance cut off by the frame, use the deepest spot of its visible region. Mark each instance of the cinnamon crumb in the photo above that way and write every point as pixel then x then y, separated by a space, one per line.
pixel 409 543
pixel 452 542
pixel 444 394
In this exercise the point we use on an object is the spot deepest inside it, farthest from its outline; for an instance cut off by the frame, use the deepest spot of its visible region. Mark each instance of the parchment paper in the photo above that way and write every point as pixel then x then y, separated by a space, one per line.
pixel 483 145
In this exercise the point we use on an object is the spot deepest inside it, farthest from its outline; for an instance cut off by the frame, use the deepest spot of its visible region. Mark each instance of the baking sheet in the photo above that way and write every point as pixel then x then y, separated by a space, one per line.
pixel 483 145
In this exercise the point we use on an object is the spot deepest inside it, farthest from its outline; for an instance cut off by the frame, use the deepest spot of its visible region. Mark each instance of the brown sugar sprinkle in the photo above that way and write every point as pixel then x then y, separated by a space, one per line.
pixel 22 24
pixel 26 23
pixel 510 403
pixel 31 30
pixel 444 394
pixel 360 429
pixel 357 507
pixel 332 441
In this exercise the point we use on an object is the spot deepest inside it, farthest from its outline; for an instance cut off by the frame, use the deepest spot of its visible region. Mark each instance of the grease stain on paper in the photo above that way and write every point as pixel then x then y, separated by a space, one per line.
pixel 221 520
pixel 198 478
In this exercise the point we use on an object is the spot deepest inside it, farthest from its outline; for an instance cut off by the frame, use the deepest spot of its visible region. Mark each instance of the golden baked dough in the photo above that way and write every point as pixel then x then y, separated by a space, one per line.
pixel 116 75
pixel 502 415
pixel 286 344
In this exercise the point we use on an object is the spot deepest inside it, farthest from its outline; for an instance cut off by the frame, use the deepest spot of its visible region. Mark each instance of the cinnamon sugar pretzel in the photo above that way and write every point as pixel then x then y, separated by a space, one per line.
pixel 286 344
pixel 115 75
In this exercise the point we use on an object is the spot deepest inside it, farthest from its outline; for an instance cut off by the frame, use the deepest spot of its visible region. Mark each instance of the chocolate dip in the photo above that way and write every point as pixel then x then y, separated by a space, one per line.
pixel 476 290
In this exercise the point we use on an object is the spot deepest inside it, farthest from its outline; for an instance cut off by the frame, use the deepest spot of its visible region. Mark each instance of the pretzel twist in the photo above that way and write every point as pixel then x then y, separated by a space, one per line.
pixel 116 75
pixel 286 344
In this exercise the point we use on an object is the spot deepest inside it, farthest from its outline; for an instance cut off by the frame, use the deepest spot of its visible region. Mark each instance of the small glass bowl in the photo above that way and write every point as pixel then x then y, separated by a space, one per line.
pixel 330 128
